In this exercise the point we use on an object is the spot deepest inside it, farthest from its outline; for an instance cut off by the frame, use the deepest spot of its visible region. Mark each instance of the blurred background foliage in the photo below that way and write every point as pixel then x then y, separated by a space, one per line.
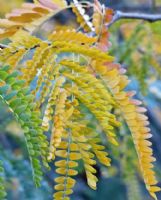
pixel 137 46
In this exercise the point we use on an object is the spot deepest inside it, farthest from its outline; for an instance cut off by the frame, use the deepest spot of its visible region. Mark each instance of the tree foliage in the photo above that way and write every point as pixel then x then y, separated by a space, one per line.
pixel 72 72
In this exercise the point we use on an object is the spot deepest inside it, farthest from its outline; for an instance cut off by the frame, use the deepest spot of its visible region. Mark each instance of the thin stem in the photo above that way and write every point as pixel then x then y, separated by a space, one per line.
pixel 67 160
pixel 131 15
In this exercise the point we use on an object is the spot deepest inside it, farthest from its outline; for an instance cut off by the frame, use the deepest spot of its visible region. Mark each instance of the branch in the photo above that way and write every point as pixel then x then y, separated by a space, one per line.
pixel 142 16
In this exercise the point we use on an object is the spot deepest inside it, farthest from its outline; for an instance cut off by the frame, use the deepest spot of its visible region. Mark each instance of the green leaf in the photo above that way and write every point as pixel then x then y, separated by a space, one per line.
pixel 15 102
pixel 18 84
pixel 10 80
pixel 15 73
pixel 4 89
pixel 5 68
pixel 10 95
pixel 20 101
pixel 3 75
pixel 20 109
pixel 25 116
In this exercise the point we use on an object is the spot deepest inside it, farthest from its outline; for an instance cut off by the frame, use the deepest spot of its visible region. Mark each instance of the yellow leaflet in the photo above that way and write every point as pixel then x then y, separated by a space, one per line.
pixel 75 156
pixel 154 189
pixel 90 168
pixel 62 163
pixel 63 186
pixel 63 171
pixel 60 194
pixel 92 180
pixel 62 179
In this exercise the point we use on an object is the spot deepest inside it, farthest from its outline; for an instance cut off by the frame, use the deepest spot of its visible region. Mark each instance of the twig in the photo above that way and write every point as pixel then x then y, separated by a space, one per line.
pixel 123 15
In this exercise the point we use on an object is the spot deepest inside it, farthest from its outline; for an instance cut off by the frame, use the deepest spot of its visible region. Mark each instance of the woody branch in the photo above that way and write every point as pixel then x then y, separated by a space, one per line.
pixel 131 15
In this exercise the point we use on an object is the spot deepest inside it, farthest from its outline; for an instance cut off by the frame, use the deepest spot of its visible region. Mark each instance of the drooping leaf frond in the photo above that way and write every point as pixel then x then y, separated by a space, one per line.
pixel 137 122
pixel 99 85
pixel 19 100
